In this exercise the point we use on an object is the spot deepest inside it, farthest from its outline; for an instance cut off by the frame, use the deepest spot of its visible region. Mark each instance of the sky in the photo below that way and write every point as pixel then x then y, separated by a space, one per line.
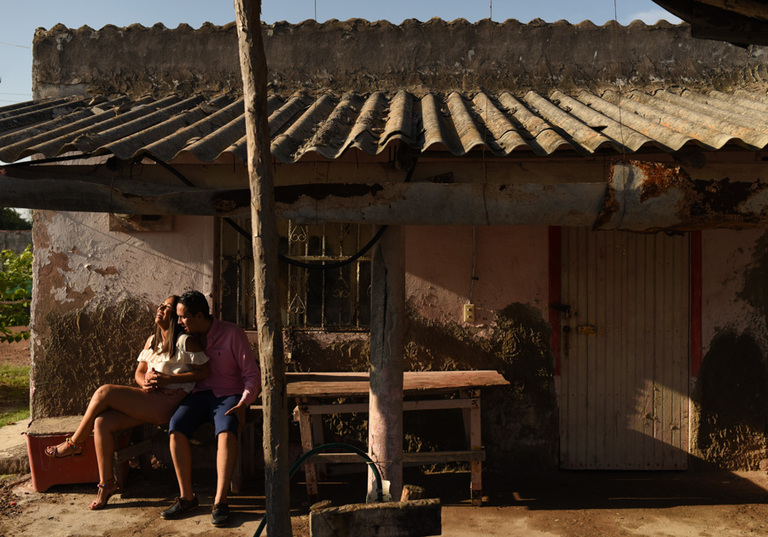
pixel 20 18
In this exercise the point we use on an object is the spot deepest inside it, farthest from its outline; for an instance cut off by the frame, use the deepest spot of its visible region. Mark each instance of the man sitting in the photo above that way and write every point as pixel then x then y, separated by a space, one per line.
pixel 233 384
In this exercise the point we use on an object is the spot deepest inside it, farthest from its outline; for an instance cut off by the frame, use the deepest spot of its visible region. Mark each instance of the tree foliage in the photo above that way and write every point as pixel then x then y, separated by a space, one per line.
pixel 11 220
pixel 15 293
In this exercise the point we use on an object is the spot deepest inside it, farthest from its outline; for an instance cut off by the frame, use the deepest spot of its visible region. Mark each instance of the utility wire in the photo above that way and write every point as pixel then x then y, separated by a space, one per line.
pixel 14 45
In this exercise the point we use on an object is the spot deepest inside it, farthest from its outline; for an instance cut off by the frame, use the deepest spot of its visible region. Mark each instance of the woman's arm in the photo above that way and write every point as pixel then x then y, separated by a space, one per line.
pixel 140 376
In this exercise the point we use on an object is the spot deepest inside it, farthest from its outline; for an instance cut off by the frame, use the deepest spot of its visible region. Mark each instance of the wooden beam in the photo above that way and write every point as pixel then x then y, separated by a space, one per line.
pixel 572 204
pixel 253 64
pixel 38 189
pixel 633 199
pixel 385 414
pixel 738 22
pixel 746 8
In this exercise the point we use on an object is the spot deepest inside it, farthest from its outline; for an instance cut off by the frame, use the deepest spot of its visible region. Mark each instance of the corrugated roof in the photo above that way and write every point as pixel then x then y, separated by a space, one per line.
pixel 504 124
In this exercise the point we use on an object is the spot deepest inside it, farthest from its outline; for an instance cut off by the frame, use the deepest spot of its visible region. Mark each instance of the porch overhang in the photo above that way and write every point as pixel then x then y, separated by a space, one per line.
pixel 641 160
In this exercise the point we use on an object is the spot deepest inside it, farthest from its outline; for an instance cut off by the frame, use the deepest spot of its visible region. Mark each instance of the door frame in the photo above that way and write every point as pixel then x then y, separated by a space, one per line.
pixel 695 330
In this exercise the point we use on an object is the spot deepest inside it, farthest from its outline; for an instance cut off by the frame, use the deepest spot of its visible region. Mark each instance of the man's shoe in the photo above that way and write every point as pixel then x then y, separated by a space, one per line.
pixel 180 506
pixel 220 514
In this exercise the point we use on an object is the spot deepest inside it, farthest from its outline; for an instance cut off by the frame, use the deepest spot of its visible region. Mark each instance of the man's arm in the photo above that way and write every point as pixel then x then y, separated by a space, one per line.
pixel 249 368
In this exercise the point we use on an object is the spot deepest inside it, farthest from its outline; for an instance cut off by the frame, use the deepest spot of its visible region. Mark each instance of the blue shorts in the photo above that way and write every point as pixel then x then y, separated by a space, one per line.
pixel 204 407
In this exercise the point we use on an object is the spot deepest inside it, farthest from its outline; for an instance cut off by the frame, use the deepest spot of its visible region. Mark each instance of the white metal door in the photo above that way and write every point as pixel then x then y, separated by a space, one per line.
pixel 624 350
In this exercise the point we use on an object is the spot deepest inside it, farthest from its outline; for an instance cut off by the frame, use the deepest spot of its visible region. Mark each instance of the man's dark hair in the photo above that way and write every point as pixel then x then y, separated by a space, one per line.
pixel 195 303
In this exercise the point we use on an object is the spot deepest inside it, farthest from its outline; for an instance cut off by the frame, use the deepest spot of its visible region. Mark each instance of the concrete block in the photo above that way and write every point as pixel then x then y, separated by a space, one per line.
pixel 389 519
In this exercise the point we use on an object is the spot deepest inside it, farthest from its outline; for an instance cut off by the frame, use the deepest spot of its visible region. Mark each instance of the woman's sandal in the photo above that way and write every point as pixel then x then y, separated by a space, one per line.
pixel 66 449
pixel 106 490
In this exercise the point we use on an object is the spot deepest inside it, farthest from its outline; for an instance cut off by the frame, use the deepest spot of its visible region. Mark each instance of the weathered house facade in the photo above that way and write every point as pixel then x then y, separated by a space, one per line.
pixel 594 192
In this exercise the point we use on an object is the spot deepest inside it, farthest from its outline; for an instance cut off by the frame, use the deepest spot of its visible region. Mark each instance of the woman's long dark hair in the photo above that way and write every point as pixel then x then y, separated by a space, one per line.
pixel 175 330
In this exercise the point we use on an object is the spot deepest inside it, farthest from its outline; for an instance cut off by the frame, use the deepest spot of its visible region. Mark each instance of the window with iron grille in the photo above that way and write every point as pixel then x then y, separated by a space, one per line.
pixel 333 299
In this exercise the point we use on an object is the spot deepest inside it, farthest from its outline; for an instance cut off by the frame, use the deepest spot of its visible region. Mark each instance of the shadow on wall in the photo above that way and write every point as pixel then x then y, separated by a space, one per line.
pixel 519 421
pixel 732 400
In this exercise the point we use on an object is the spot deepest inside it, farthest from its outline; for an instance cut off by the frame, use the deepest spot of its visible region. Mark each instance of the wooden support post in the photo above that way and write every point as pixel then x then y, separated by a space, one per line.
pixel 385 423
pixel 253 65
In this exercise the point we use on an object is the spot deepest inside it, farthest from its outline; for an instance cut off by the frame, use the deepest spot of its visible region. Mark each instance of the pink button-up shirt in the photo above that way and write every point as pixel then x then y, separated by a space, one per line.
pixel 233 368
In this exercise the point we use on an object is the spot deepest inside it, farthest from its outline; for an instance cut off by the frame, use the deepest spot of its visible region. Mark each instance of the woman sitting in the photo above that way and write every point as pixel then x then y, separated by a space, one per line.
pixel 168 368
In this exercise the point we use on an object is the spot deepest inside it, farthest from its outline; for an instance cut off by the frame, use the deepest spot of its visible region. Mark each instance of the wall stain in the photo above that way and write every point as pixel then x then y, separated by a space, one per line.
pixel 755 291
pixel 731 397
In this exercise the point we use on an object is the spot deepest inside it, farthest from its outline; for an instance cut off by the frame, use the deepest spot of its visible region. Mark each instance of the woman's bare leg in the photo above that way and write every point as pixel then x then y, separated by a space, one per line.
pixel 126 399
pixel 104 428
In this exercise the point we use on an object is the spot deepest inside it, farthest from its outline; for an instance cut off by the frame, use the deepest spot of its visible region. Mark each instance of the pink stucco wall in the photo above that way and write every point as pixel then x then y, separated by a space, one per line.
pixel 510 266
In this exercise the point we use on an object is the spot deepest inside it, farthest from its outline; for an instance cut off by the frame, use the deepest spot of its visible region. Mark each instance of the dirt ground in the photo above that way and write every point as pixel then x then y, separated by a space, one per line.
pixel 564 504
pixel 17 353
pixel 538 504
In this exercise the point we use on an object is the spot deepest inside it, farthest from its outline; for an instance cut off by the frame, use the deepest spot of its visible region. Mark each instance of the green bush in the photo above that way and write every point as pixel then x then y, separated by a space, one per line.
pixel 15 293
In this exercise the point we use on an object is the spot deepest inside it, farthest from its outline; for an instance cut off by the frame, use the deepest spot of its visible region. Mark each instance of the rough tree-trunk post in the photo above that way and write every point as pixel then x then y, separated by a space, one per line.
pixel 385 424
pixel 253 64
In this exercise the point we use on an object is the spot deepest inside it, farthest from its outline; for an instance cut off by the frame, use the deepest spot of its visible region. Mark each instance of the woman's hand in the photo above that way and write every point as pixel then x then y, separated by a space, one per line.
pixel 142 377
pixel 154 379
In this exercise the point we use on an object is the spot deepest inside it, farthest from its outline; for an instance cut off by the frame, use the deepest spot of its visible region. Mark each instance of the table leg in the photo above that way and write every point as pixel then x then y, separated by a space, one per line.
pixel 318 439
pixel 476 482
pixel 307 443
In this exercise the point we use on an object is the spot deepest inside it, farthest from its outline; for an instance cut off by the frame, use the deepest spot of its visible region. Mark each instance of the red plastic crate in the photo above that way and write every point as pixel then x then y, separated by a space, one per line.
pixel 47 471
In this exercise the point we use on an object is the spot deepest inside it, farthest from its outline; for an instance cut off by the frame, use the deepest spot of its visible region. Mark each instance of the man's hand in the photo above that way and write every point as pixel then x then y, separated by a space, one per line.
pixel 239 410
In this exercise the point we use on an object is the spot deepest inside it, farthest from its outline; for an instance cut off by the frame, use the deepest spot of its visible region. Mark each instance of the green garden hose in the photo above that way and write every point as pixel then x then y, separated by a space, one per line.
pixel 326 447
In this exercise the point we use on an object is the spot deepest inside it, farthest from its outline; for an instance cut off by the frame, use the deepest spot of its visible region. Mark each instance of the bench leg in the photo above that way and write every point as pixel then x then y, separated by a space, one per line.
pixel 139 444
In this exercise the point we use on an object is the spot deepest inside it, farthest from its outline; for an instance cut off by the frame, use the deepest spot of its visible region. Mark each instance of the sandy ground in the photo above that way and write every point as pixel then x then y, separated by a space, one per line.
pixel 543 504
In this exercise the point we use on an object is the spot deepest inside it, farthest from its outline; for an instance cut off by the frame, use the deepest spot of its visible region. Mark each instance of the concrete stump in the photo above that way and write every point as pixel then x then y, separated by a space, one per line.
pixel 389 519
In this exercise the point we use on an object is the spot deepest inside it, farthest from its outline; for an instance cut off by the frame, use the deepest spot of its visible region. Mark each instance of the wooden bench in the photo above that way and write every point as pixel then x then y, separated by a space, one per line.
pixel 312 392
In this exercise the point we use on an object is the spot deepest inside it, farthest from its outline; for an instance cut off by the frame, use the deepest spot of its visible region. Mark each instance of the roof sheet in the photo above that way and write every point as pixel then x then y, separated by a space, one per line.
pixel 581 123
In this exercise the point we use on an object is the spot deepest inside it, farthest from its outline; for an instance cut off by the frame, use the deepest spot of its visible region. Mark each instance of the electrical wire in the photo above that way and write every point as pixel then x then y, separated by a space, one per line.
pixel 15 45
pixel 281 257
pixel 473 276
pixel 619 79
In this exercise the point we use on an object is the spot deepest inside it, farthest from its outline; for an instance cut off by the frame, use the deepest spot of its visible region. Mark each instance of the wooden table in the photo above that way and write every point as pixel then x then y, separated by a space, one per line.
pixel 422 390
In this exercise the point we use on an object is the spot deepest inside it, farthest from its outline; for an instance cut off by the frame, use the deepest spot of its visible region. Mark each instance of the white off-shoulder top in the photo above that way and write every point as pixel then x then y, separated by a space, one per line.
pixel 180 362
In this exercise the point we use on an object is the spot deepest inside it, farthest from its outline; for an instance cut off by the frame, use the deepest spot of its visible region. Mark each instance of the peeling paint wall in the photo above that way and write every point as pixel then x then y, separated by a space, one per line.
pixel 94 296
pixel 730 395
